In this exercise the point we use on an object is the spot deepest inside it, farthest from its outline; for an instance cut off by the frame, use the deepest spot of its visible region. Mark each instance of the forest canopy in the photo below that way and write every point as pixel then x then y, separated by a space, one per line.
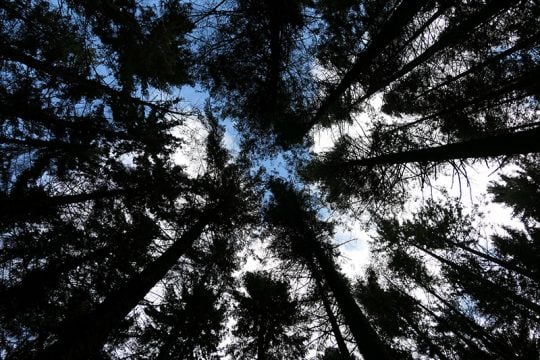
pixel 176 176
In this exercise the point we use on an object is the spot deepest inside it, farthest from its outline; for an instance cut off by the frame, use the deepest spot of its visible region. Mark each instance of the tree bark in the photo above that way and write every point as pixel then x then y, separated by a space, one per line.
pixel 342 346
pixel 10 53
pixel 369 344
pixel 520 45
pixel 523 142
pixel 83 337
pixel 38 204
pixel 447 38
pixel 392 28
pixel 406 11
pixel 32 290
pixel 502 263
pixel 486 282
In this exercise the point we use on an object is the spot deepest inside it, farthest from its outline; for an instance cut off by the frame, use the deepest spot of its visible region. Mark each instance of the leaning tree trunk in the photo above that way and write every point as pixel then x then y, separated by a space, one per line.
pixel 33 289
pixel 523 142
pixel 10 53
pixel 338 336
pixel 446 39
pixel 82 337
pixel 504 292
pixel 34 205
pixel 369 343
pixel 390 30
pixel 502 263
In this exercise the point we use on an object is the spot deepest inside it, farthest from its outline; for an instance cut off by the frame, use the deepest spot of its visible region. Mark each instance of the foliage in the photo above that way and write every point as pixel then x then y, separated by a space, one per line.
pixel 110 249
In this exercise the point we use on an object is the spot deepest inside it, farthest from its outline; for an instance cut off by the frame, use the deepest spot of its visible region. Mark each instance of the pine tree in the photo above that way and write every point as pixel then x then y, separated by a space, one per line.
pixel 268 320
pixel 486 299
pixel 301 236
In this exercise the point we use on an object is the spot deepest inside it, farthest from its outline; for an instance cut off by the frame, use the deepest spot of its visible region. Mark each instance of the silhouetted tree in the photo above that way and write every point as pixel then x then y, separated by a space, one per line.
pixel 301 236
pixel 483 300
pixel 268 320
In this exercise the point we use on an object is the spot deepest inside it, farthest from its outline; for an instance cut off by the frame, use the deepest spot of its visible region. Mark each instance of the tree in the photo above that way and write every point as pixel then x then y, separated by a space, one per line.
pixel 111 249
pixel 346 175
pixel 444 108
pixel 300 236
pixel 253 65
pixel 224 194
pixel 485 297
pixel 188 324
pixel 268 320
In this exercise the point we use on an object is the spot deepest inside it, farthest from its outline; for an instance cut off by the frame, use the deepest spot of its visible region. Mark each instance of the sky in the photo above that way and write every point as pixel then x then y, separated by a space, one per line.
pixel 355 234
pixel 352 235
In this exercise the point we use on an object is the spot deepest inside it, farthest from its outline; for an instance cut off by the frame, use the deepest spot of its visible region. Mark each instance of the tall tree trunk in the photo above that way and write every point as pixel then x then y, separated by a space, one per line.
pixel 523 142
pixel 502 263
pixel 486 338
pixel 510 295
pixel 369 343
pixel 48 144
pixel 261 349
pixel 342 346
pixel 448 38
pixel 520 45
pixel 404 13
pixel 8 52
pixel 521 87
pixel 34 287
pixel 16 107
pixel 83 337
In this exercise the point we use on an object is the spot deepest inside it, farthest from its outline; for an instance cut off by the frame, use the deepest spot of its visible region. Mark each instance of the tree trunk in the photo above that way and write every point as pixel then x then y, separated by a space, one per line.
pixel 523 142
pixel 8 52
pixel 369 344
pixel 83 337
pixel 48 144
pixel 32 290
pixel 21 108
pixel 342 346
pixel 520 45
pixel 38 203
pixel 447 38
pixel 391 29
pixel 486 282
pixel 261 351
pixel 502 263
pixel 523 86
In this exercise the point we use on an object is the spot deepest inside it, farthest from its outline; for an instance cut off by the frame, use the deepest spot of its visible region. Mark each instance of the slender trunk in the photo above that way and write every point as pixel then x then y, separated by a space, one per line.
pixel 520 45
pixel 49 144
pixel 440 11
pixel 502 263
pixel 390 30
pixel 469 342
pixel 425 338
pixel 523 86
pixel 261 353
pixel 164 351
pixel 448 38
pixel 83 337
pixel 89 85
pixel 486 338
pixel 34 287
pixel 14 107
pixel 369 344
pixel 488 283
pixel 342 346
pixel 441 320
pixel 522 142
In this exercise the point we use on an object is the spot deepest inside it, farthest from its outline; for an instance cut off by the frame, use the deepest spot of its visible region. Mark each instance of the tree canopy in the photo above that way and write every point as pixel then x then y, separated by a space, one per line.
pixel 143 216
